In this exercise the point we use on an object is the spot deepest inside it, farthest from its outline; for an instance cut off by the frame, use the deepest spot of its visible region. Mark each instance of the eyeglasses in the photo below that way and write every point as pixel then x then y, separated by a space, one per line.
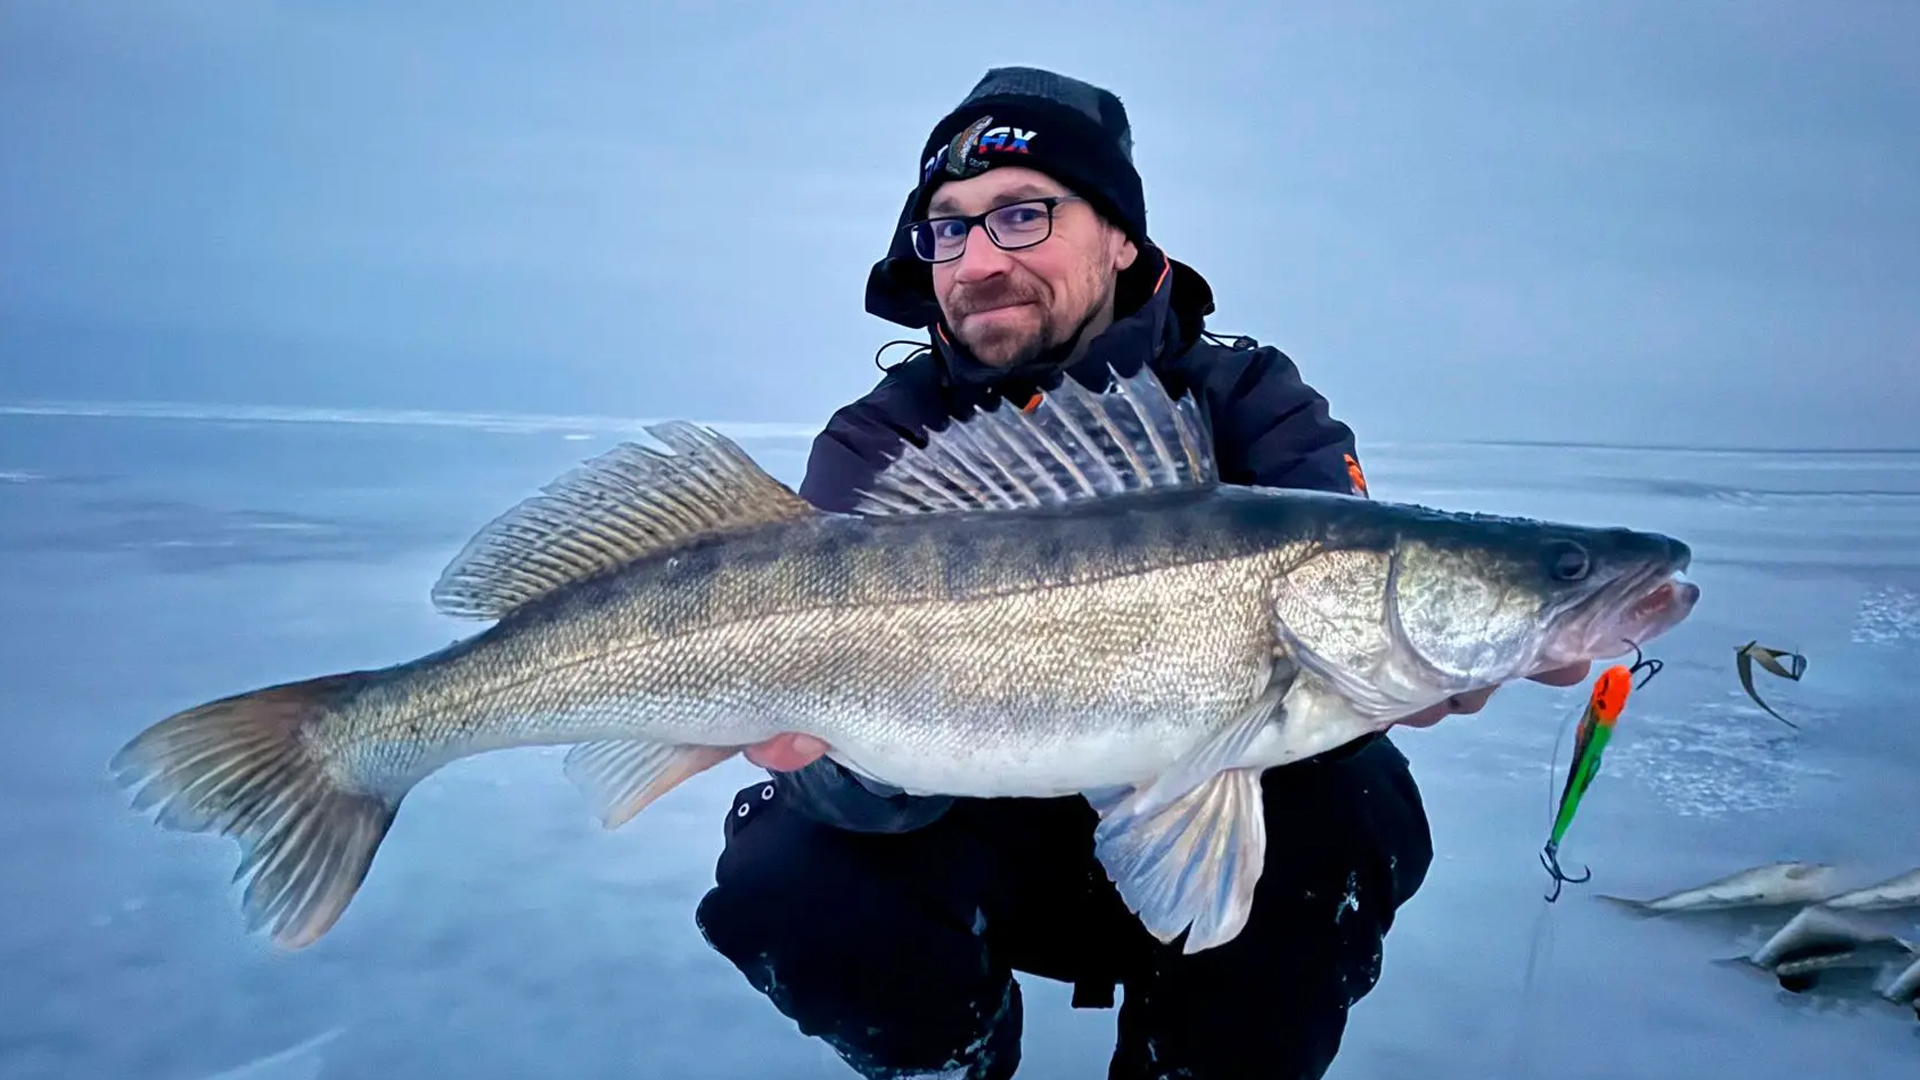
pixel 1010 227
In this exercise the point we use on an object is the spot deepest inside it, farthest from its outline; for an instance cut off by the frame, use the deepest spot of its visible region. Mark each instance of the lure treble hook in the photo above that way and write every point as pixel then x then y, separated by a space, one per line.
pixel 1550 858
pixel 1640 663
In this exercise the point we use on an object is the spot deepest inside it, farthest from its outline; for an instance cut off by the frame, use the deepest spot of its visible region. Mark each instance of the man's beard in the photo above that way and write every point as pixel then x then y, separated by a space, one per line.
pixel 1004 346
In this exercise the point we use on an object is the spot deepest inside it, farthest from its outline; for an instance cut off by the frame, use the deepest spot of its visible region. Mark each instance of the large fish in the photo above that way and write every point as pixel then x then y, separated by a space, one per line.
pixel 1035 603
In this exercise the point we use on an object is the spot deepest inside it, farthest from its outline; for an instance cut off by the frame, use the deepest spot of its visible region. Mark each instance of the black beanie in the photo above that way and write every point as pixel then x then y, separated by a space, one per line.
pixel 1073 131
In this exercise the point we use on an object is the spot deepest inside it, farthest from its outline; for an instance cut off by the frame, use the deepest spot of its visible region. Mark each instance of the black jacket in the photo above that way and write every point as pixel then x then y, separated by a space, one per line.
pixel 1269 429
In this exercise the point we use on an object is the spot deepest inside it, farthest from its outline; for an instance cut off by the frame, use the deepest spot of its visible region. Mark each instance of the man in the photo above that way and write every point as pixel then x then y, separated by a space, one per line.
pixel 891 926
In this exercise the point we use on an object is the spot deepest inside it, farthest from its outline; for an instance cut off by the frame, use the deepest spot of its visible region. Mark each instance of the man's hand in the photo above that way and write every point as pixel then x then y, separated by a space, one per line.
pixel 790 751
pixel 1476 700
pixel 786 752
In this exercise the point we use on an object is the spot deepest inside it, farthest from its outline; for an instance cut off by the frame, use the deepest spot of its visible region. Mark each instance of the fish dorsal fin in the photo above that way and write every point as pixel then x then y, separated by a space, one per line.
pixel 1073 445
pixel 630 502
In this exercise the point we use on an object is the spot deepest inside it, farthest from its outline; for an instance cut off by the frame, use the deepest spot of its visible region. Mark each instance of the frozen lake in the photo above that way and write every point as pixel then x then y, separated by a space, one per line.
pixel 154 561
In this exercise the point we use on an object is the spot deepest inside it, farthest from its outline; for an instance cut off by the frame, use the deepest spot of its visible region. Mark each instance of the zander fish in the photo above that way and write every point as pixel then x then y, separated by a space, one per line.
pixel 1035 603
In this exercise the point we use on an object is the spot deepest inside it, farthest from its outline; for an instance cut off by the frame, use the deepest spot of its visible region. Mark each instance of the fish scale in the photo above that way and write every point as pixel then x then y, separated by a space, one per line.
pixel 1032 604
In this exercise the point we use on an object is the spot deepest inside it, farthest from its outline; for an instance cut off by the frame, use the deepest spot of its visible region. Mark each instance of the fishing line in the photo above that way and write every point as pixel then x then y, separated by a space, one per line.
pixel 1520 1057
pixel 1520 1061
pixel 1553 776
pixel 1605 702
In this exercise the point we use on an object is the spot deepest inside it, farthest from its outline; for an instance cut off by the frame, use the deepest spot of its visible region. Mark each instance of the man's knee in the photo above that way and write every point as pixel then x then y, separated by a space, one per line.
pixel 1366 816
pixel 1347 845
pixel 847 939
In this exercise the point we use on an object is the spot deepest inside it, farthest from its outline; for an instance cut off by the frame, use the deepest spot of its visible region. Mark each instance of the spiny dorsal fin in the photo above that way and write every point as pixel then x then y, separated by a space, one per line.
pixel 1074 445
pixel 630 502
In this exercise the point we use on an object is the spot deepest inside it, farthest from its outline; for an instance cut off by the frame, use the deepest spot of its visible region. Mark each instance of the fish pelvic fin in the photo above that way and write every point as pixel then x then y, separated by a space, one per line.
pixel 244 767
pixel 628 503
pixel 1073 445
pixel 620 777
pixel 1193 864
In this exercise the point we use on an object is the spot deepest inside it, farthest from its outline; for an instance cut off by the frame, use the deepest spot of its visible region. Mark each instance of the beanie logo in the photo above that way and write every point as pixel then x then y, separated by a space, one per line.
pixel 963 155
pixel 1010 139
pixel 960 158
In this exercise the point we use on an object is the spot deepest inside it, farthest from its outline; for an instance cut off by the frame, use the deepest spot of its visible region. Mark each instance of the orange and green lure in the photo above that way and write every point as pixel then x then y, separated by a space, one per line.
pixel 1609 697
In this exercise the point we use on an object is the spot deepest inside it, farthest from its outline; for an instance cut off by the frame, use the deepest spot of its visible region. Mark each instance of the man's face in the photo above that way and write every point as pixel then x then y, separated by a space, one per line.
pixel 1008 307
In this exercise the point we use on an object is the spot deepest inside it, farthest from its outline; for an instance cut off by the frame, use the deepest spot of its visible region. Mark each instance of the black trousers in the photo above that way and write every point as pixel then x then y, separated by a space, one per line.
pixel 899 950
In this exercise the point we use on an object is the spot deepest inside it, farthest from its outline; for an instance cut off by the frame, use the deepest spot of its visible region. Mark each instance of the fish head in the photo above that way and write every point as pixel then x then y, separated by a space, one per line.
pixel 1479 600
pixel 1397 608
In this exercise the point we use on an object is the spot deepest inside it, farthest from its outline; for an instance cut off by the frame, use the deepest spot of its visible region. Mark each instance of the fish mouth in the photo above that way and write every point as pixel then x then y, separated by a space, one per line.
pixel 1618 619
pixel 1664 599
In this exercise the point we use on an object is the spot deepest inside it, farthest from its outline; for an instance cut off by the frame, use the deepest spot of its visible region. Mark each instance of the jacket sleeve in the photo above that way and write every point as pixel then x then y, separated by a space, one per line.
pixel 1273 429
pixel 858 441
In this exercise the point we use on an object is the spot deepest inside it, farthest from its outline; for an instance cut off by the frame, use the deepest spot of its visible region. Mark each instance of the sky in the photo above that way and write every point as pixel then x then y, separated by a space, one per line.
pixel 1628 221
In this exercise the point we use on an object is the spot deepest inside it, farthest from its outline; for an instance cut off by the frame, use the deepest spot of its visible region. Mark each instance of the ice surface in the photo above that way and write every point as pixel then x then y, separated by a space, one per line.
pixel 149 561
pixel 300 1062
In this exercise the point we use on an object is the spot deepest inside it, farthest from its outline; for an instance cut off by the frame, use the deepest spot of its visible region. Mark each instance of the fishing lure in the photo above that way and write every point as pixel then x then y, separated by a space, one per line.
pixel 1610 692
pixel 1753 652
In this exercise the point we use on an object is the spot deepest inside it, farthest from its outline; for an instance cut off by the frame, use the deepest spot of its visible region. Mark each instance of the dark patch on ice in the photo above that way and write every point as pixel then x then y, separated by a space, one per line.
pixel 1752 496
pixel 183 537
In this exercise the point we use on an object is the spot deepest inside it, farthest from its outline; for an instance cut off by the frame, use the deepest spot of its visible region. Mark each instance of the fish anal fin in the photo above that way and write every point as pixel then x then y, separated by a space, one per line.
pixel 1192 865
pixel 1074 445
pixel 621 777
pixel 628 503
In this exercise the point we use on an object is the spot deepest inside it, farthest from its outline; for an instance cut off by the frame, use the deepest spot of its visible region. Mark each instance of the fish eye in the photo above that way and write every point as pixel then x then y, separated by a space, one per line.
pixel 1567 560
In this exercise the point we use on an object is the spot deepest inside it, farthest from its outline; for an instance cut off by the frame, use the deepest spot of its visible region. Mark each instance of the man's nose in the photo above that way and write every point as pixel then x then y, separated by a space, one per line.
pixel 982 257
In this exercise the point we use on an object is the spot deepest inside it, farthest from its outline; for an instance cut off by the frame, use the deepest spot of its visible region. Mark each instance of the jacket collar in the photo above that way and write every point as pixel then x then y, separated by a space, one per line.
pixel 1164 305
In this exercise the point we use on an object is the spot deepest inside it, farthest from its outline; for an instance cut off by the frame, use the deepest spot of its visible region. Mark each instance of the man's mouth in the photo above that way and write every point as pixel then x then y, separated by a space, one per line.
pixel 1004 305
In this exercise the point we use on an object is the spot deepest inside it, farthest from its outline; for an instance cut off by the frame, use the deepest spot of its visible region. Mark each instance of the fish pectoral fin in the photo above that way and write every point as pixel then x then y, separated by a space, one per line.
pixel 1105 800
pixel 621 776
pixel 1193 864
pixel 1219 752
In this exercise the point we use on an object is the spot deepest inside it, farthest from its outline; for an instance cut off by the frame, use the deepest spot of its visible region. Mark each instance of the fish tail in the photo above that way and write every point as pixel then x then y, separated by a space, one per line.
pixel 248 767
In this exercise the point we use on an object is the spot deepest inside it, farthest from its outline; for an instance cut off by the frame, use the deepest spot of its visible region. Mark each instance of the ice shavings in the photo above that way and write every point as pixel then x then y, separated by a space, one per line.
pixel 1717 759
pixel 1888 615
